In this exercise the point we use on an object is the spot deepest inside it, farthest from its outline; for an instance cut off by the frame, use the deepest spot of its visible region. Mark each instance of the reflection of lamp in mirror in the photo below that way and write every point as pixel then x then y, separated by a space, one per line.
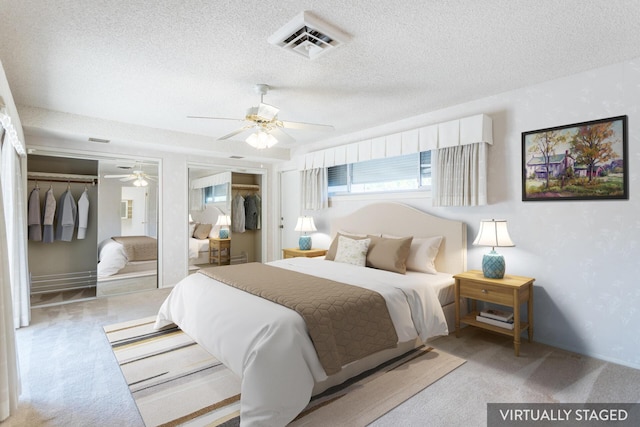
pixel 224 221
pixel 493 232
pixel 304 224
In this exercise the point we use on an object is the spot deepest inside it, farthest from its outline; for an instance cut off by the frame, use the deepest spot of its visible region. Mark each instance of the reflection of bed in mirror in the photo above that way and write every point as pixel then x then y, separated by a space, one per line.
pixel 127 264
pixel 198 251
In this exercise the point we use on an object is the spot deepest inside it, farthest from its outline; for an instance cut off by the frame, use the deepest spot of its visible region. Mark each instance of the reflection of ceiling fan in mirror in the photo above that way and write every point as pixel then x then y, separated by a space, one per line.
pixel 264 124
pixel 139 178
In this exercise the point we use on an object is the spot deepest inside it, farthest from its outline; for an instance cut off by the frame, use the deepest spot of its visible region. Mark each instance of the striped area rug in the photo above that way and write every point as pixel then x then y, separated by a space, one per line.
pixel 176 382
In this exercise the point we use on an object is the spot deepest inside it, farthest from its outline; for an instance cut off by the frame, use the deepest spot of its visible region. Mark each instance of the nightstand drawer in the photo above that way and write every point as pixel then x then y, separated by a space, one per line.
pixel 486 292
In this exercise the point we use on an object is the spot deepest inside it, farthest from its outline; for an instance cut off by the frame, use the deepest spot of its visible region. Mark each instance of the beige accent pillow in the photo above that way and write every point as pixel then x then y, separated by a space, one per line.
pixel 423 253
pixel 389 254
pixel 331 253
pixel 202 231
pixel 352 251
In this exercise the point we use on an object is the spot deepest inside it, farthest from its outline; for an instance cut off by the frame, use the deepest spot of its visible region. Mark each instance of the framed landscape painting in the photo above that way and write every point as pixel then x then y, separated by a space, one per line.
pixel 581 161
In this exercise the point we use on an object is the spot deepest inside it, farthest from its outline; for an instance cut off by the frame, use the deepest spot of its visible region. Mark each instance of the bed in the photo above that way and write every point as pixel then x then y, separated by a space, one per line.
pixel 271 349
pixel 127 264
pixel 199 234
pixel 121 254
pixel 198 251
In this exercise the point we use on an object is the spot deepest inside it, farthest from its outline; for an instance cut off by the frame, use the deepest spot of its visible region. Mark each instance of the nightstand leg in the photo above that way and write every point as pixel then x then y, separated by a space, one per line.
pixel 516 323
pixel 456 295
pixel 530 312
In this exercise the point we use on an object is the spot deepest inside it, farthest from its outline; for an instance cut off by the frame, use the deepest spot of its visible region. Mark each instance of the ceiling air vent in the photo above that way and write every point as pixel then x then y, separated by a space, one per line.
pixel 103 141
pixel 308 36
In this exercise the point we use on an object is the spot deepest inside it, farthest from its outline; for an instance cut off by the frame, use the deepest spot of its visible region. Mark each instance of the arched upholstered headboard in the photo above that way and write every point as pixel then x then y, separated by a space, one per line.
pixel 401 220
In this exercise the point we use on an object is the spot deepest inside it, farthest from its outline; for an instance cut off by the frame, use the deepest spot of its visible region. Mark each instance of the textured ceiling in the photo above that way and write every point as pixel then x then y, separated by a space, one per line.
pixel 152 63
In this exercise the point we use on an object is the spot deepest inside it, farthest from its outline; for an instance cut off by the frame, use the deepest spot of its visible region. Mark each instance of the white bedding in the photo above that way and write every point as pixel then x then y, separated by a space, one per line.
pixel 111 258
pixel 276 359
pixel 196 246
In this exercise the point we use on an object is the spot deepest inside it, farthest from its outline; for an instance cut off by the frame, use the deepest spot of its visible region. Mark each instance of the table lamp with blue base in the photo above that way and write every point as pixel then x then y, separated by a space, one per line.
pixel 304 224
pixel 223 221
pixel 493 232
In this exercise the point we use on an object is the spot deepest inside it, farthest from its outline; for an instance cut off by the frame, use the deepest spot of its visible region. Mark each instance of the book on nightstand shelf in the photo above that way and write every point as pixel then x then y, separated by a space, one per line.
pixel 500 323
pixel 494 313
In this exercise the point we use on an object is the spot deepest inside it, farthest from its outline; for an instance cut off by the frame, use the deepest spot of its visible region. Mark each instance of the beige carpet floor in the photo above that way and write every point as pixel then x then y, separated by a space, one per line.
pixel 70 377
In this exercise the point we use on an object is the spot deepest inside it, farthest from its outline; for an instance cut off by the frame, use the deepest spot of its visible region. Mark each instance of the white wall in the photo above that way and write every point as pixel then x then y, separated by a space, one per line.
pixel 583 254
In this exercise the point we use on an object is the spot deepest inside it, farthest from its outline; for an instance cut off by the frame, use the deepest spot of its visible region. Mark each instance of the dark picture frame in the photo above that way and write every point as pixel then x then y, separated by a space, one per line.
pixel 580 161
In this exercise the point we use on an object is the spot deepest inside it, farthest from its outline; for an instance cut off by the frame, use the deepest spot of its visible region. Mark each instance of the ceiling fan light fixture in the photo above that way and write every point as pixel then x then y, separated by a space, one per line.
pixel 140 182
pixel 261 140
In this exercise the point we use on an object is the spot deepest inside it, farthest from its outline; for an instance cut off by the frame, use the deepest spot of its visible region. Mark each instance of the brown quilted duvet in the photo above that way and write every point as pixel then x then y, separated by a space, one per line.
pixel 345 322
pixel 138 248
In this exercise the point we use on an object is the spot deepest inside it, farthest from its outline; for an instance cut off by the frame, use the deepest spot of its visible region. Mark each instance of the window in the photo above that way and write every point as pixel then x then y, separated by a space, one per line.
pixel 215 194
pixel 408 172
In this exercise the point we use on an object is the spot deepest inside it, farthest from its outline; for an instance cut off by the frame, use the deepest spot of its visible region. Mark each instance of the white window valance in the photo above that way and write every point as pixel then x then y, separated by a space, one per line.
pixel 467 130
pixel 211 180
pixel 463 131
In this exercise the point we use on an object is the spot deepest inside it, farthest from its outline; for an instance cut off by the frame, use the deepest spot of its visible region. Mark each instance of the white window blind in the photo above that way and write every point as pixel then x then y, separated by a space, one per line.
pixel 387 169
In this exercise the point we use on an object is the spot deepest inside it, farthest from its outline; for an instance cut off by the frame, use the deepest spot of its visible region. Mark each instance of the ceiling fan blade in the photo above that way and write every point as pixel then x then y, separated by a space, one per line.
pixel 281 136
pixel 214 118
pixel 117 176
pixel 128 178
pixel 304 126
pixel 235 132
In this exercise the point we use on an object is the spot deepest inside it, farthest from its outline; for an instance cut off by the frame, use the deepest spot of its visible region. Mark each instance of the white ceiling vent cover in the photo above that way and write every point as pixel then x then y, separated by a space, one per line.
pixel 308 36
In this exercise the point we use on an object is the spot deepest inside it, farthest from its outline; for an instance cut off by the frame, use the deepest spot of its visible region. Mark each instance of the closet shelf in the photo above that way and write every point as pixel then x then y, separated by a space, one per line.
pixel 62 177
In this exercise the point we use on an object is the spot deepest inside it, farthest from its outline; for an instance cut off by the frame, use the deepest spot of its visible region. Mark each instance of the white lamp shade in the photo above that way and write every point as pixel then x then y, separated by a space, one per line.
pixel 493 232
pixel 190 218
pixel 305 223
pixel 261 140
pixel 223 220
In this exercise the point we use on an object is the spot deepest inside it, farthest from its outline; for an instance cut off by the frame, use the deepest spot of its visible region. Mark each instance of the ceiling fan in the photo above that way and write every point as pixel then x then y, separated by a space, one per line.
pixel 139 178
pixel 264 122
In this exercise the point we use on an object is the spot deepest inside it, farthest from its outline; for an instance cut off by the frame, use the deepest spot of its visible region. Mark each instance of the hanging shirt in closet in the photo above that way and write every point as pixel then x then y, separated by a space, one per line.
pixel 47 216
pixel 259 205
pixel 251 213
pixel 67 212
pixel 35 228
pixel 237 214
pixel 83 214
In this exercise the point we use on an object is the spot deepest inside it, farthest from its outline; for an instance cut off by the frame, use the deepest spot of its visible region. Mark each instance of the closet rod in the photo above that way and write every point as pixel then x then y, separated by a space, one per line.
pixel 252 187
pixel 62 177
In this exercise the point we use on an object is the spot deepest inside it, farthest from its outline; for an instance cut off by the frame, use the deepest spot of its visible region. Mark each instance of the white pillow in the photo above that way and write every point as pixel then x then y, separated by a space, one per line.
pixel 352 251
pixel 423 253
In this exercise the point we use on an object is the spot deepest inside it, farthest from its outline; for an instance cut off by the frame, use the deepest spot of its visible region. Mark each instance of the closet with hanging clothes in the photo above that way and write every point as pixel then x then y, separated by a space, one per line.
pixel 246 216
pixel 62 223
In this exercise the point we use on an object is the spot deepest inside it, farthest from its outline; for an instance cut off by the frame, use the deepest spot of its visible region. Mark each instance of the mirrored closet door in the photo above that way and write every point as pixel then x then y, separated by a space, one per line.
pixel 86 245
pixel 225 211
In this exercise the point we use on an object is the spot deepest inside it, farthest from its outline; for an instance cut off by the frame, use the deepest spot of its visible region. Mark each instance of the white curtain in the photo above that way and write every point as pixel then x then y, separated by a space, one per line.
pixel 459 175
pixel 9 376
pixel 15 214
pixel 196 199
pixel 315 193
